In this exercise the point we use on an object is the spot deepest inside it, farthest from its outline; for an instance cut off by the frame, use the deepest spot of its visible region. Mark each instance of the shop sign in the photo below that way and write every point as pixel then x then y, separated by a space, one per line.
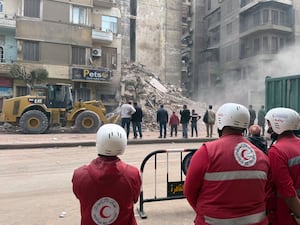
pixel 5 91
pixel 91 75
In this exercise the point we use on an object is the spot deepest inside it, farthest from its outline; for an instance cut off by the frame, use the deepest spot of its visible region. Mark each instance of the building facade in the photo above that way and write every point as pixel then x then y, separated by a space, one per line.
pixel 235 42
pixel 78 42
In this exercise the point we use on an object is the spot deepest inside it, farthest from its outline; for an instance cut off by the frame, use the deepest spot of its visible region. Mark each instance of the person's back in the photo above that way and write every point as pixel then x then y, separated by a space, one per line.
pixel 107 188
pixel 227 179
pixel 138 115
pixel 162 115
pixel 284 157
pixel 111 182
pixel 255 138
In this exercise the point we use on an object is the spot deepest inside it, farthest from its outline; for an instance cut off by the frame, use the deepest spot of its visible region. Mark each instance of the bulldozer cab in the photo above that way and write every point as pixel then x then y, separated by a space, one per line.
pixel 59 96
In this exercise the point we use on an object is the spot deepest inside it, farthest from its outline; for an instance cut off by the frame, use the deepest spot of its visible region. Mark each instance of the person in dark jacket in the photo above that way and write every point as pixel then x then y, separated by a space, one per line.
pixel 194 119
pixel 162 117
pixel 184 120
pixel 255 138
pixel 136 120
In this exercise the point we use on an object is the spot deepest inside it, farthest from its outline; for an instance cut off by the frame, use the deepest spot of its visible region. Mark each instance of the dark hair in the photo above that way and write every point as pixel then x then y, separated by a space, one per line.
pixel 210 106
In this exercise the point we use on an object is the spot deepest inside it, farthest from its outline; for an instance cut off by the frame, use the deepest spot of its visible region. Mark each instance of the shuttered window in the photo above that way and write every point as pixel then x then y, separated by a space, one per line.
pixel 31 50
pixel 32 8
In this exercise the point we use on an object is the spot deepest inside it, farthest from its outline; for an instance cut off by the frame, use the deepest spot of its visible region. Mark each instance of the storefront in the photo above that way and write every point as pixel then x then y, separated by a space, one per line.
pixel 6 89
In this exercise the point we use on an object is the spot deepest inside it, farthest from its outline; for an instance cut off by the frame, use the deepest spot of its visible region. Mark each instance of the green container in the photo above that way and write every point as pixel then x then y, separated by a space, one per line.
pixel 283 92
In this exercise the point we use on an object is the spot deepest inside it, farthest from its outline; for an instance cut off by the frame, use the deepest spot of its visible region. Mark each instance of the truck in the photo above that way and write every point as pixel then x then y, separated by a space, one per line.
pixel 52 105
pixel 282 91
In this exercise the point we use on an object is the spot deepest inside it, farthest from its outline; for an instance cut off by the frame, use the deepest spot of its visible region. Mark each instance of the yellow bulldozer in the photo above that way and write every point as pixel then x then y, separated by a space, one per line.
pixel 52 105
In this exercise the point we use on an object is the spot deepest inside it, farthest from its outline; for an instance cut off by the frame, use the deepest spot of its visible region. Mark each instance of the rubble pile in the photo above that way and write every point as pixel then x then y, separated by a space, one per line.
pixel 144 87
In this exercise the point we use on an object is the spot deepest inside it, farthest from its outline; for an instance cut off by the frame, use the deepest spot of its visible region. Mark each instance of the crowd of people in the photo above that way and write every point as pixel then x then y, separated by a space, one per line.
pixel 230 180
pixel 133 114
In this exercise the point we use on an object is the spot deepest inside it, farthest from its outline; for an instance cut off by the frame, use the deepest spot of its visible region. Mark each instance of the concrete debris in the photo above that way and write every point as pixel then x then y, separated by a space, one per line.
pixel 144 87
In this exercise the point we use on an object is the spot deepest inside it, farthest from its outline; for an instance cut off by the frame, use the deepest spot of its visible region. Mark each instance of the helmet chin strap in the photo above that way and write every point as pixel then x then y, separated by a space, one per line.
pixel 274 136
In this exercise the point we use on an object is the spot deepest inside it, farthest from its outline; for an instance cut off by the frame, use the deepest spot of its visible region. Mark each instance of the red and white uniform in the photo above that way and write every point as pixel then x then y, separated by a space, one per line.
pixel 107 189
pixel 227 182
pixel 285 165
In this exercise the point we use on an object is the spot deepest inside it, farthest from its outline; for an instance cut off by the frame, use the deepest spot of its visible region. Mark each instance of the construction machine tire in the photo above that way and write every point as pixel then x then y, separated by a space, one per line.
pixel 34 122
pixel 88 122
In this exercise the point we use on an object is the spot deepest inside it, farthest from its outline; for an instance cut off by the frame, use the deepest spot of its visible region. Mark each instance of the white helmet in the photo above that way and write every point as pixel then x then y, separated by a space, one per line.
pixel 283 119
pixel 233 115
pixel 111 140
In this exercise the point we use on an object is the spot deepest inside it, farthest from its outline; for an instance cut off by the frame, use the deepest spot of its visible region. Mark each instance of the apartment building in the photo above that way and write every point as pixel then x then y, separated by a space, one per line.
pixel 76 41
pixel 238 36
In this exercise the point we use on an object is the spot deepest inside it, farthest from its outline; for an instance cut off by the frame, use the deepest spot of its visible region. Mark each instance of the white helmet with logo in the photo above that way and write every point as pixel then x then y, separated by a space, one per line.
pixel 111 140
pixel 233 115
pixel 283 119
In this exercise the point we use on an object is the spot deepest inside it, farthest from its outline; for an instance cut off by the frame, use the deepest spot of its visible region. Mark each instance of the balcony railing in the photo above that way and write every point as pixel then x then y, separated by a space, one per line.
pixel 104 3
pixel 102 36
pixel 246 4
pixel 7 21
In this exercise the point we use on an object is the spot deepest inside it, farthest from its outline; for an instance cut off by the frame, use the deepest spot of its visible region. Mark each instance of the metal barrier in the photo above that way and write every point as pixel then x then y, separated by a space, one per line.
pixel 174 188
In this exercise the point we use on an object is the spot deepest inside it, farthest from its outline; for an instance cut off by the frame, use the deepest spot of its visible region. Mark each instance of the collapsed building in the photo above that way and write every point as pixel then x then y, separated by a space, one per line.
pixel 144 87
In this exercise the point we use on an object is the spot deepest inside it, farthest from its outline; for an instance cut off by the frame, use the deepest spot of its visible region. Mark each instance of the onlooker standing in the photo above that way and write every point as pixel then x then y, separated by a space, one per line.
pixel 261 119
pixel 107 188
pixel 209 120
pixel 252 115
pixel 184 120
pixel 136 119
pixel 285 165
pixel 126 112
pixel 256 139
pixel 227 179
pixel 162 118
pixel 174 122
pixel 194 119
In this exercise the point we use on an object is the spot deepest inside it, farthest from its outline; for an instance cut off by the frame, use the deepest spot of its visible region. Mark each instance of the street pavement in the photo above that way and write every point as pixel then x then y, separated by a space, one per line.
pixel 62 139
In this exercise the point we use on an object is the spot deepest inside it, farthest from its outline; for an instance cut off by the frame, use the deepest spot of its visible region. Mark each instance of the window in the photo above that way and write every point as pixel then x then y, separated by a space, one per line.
pixel 78 55
pixel 282 18
pixel 1 5
pixel 256 18
pixel 31 50
pixel 79 15
pixel 229 28
pixel 265 44
pixel 228 53
pixel 281 43
pixel 2 55
pixel 32 8
pixel 109 58
pixel 265 16
pixel 256 46
pixel 208 4
pixel 21 91
pixel 274 44
pixel 109 23
pixel 275 17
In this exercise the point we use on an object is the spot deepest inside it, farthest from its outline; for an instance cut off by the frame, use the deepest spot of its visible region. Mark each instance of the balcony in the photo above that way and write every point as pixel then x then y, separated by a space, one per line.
pixel 104 3
pixel 102 36
pixel 248 4
pixel 7 21
pixel 263 28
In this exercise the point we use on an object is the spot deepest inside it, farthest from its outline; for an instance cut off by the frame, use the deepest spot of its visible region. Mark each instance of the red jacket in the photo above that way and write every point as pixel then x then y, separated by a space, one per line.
pixel 107 189
pixel 227 182
pixel 285 165
pixel 174 120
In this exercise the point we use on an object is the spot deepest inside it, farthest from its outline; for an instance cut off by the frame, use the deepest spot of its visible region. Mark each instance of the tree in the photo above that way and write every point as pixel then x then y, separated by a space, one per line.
pixel 35 76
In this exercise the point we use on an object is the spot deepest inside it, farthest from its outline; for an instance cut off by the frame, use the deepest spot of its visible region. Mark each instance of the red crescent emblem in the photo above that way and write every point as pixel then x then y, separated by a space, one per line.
pixel 243 155
pixel 102 212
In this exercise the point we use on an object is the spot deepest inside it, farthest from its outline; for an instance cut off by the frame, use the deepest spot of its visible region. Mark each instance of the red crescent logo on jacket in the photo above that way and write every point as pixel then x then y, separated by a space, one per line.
pixel 105 211
pixel 244 155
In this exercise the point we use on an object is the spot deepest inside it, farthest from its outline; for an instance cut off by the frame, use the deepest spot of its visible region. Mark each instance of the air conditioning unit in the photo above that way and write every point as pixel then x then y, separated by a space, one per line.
pixel 96 52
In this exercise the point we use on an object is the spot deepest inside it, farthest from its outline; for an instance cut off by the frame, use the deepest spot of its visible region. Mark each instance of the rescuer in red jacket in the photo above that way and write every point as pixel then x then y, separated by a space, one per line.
pixel 107 188
pixel 285 166
pixel 227 179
